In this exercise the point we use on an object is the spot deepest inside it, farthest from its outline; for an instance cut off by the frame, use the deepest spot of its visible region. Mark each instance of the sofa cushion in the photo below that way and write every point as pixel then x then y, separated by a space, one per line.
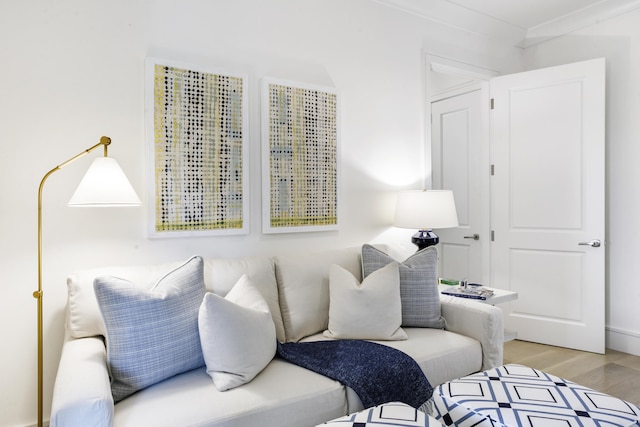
pixel 221 275
pixel 237 334
pixel 83 315
pixel 418 284
pixel 303 287
pixel 442 355
pixel 282 394
pixel 151 334
pixel 368 310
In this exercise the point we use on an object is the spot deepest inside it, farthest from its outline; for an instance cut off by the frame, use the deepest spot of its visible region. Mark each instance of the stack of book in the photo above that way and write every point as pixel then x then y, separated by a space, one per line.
pixel 470 291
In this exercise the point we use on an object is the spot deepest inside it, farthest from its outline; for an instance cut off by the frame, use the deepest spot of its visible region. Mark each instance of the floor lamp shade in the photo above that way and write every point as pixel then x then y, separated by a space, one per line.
pixel 425 210
pixel 104 184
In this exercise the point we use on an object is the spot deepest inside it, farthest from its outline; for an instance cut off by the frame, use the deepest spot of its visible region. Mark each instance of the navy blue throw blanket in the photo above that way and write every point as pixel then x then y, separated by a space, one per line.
pixel 377 373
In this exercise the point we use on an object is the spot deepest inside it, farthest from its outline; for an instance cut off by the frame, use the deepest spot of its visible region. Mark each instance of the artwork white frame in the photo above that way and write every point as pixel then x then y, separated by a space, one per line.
pixel 197 134
pixel 300 134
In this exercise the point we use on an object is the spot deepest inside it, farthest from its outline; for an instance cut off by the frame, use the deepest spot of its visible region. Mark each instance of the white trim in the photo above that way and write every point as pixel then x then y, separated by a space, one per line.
pixel 442 65
pixel 577 20
pixel 477 24
pixel 469 21
pixel 623 340
pixel 450 66
pixel 456 90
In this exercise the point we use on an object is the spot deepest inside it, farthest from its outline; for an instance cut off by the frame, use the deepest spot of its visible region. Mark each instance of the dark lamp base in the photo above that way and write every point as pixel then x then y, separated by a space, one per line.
pixel 425 238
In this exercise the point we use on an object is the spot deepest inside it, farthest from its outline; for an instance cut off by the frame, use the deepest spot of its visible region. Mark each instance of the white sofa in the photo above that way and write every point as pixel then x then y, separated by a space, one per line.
pixel 296 288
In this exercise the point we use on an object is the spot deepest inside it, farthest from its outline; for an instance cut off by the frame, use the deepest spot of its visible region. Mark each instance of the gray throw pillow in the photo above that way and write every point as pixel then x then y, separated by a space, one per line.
pixel 419 292
pixel 152 334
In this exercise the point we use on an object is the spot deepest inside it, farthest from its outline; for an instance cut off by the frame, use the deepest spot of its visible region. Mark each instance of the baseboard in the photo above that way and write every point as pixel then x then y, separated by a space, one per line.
pixel 623 340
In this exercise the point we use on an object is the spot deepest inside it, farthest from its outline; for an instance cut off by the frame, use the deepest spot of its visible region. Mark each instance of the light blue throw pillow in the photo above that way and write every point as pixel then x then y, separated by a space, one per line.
pixel 152 334
pixel 418 285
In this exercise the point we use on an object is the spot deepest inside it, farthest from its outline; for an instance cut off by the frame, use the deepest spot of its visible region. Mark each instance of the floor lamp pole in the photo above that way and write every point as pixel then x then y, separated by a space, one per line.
pixel 129 200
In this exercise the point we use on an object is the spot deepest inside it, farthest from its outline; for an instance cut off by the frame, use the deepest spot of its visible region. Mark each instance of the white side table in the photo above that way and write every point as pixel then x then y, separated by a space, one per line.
pixel 500 296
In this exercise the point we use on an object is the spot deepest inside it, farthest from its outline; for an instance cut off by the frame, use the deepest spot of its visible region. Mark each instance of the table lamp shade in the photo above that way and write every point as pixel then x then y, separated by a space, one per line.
pixel 426 210
pixel 104 184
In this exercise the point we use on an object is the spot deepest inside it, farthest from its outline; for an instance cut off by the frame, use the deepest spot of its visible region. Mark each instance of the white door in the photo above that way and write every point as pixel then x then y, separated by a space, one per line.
pixel 458 142
pixel 548 188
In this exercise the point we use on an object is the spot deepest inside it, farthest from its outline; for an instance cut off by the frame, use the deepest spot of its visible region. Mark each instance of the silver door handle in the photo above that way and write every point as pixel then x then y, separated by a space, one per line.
pixel 474 237
pixel 593 243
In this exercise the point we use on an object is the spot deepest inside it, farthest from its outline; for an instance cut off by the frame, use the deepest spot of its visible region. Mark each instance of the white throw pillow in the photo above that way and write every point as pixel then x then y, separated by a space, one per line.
pixel 237 335
pixel 303 288
pixel 419 294
pixel 370 310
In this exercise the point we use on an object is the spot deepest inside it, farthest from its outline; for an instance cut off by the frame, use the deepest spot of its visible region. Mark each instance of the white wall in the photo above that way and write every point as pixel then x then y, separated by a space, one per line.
pixel 618 40
pixel 73 70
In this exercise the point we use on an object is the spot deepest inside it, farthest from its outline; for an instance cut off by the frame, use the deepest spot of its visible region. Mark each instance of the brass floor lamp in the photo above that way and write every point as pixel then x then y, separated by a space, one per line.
pixel 104 184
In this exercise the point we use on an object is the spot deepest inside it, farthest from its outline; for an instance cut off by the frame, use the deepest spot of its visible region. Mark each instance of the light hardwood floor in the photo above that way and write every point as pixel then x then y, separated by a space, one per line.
pixel 614 373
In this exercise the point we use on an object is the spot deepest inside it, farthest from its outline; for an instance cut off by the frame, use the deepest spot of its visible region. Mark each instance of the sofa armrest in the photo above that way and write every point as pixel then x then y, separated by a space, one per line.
pixel 82 392
pixel 477 320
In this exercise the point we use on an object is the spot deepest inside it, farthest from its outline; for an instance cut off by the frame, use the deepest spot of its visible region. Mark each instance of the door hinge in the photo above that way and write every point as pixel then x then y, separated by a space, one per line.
pixel 493 170
pixel 493 235
pixel 492 103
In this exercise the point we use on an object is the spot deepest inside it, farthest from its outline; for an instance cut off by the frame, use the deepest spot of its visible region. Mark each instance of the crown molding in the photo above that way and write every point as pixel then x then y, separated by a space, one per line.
pixel 449 14
pixel 577 20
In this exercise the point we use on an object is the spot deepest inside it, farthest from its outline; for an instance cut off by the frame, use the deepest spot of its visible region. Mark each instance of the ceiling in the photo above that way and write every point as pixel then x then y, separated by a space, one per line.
pixel 520 23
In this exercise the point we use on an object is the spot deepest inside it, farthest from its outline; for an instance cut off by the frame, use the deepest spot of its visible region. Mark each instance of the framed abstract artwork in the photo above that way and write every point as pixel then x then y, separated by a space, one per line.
pixel 300 157
pixel 197 130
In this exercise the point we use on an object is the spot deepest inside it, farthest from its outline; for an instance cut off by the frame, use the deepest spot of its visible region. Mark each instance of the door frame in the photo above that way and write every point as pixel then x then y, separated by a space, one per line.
pixel 479 77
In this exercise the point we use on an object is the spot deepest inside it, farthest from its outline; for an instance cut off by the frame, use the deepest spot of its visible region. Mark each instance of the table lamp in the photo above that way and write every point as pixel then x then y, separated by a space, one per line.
pixel 104 184
pixel 426 210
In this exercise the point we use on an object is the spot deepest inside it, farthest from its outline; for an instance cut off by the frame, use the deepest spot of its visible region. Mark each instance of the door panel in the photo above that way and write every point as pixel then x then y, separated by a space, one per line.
pixel 455 259
pixel 546 135
pixel 457 147
pixel 548 196
pixel 536 266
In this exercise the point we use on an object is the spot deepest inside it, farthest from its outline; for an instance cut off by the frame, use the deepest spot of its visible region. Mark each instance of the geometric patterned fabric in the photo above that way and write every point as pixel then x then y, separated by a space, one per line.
pixel 393 414
pixel 516 395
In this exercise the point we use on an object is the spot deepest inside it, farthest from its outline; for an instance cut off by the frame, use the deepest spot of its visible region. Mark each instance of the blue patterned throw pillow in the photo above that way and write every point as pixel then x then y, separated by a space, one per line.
pixel 418 284
pixel 152 334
